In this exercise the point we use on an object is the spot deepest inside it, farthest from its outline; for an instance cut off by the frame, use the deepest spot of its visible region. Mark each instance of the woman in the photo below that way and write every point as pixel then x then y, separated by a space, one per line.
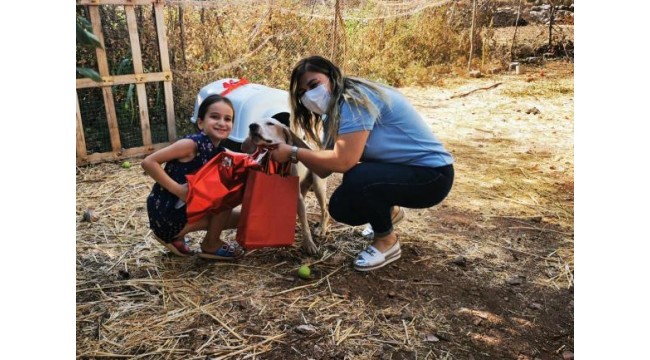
pixel 387 154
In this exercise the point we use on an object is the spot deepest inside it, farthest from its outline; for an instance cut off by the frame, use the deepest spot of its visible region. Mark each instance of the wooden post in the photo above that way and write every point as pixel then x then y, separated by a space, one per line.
pixel 132 25
pixel 341 58
pixel 512 55
pixel 451 16
pixel 102 64
pixel 182 26
pixel 550 26
pixel 164 63
pixel 471 37
pixel 333 41
pixel 81 139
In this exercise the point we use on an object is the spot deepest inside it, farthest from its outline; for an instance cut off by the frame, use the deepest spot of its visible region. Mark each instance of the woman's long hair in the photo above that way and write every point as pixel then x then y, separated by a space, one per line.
pixel 345 88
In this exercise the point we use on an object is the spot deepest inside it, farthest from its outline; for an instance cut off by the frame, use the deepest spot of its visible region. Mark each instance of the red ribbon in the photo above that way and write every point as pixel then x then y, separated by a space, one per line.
pixel 232 85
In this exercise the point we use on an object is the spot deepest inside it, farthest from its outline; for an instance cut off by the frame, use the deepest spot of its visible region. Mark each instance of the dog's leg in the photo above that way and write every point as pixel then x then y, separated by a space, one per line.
pixel 305 184
pixel 307 242
pixel 320 190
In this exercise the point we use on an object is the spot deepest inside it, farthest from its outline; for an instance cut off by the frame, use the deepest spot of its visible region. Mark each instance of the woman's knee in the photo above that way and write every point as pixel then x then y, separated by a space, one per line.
pixel 343 209
pixel 338 206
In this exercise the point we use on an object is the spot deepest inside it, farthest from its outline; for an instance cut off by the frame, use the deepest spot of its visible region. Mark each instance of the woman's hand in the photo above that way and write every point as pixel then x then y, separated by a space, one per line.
pixel 346 153
pixel 282 153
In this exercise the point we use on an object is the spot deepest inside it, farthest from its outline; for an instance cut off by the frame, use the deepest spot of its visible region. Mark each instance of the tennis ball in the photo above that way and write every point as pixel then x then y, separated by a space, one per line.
pixel 126 164
pixel 304 272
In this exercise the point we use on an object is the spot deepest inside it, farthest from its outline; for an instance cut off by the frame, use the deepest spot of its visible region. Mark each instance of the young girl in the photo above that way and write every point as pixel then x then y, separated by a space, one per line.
pixel 167 220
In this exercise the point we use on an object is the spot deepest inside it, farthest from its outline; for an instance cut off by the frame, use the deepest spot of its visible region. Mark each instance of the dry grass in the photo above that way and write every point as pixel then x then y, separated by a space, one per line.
pixel 510 213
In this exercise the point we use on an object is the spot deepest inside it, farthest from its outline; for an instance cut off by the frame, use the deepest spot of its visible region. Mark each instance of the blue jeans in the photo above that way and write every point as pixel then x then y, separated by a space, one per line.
pixel 370 189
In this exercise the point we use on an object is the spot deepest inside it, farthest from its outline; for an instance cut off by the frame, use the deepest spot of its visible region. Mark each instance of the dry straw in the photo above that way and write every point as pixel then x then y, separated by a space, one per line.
pixel 510 212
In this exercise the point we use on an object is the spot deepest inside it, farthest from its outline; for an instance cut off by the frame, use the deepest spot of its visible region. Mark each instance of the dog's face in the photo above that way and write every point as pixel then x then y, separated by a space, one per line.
pixel 269 131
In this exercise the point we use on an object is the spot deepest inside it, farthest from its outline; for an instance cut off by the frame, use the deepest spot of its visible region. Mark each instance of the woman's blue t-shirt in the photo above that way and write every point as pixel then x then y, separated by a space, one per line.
pixel 398 135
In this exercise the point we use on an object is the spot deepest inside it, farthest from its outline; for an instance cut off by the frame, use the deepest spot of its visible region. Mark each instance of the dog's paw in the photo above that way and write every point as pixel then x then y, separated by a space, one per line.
pixel 321 231
pixel 310 248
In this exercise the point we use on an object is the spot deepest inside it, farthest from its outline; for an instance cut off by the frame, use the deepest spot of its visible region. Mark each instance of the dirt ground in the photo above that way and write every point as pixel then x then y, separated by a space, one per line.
pixel 487 274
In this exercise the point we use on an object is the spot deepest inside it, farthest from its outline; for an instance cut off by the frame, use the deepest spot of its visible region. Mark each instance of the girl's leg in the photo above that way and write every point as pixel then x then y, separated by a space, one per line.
pixel 216 224
pixel 197 226
pixel 203 224
pixel 179 239
pixel 179 246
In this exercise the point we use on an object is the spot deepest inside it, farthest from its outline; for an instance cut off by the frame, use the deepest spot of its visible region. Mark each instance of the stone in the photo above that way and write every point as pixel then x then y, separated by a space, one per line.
pixel 459 260
pixel 90 215
pixel 431 338
pixel 533 111
pixel 514 280
pixel 306 329
pixel 567 355
pixel 507 16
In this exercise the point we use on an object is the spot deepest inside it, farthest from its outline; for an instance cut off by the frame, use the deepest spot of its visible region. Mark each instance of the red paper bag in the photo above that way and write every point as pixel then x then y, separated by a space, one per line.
pixel 218 185
pixel 269 208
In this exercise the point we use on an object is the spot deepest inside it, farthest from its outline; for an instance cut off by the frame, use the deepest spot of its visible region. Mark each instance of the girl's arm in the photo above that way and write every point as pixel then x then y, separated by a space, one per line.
pixel 183 150
pixel 346 153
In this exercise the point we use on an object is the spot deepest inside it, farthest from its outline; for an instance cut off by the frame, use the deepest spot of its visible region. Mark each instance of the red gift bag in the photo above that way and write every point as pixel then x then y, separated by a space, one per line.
pixel 218 185
pixel 269 208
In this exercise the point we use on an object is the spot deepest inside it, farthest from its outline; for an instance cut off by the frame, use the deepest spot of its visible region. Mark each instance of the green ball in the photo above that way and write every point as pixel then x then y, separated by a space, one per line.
pixel 304 272
pixel 126 164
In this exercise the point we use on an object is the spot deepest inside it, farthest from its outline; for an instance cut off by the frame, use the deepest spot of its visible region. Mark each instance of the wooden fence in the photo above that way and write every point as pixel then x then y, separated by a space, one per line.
pixel 139 78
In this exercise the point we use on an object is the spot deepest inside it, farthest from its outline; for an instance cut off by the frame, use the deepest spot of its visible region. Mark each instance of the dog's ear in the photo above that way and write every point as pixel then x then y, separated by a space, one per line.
pixel 298 141
pixel 247 146
pixel 286 133
pixel 292 139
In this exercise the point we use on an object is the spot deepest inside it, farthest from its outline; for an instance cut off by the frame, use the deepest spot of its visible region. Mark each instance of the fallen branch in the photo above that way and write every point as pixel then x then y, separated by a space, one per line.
pixel 469 92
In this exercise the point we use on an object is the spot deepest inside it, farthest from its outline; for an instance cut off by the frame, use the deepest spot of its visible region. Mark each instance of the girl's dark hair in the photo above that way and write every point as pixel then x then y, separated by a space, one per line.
pixel 215 98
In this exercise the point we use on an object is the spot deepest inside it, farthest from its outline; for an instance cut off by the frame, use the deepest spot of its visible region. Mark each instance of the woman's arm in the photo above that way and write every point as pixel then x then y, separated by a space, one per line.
pixel 346 153
pixel 182 150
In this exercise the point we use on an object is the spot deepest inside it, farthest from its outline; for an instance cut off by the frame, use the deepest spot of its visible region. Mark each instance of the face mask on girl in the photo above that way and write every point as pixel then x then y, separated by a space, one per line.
pixel 316 99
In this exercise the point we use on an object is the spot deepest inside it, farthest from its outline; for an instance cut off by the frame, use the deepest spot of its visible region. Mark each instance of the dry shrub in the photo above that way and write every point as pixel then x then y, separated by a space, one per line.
pixel 263 40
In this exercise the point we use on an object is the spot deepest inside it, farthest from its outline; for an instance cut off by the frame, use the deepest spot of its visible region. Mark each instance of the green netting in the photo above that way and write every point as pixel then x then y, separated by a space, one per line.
pixel 93 118
pixel 128 115
pixel 157 112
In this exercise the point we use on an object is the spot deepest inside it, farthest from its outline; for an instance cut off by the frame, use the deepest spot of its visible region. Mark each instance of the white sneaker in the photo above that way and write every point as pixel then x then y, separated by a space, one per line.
pixel 371 258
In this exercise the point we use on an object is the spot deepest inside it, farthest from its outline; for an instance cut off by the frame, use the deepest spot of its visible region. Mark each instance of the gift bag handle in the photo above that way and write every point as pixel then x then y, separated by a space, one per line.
pixel 270 167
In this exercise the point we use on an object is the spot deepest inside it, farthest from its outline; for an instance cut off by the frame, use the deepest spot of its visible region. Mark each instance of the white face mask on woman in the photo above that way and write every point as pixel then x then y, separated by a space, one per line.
pixel 316 99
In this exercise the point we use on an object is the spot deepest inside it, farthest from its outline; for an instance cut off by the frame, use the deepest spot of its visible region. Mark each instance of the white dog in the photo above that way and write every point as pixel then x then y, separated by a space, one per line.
pixel 270 131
